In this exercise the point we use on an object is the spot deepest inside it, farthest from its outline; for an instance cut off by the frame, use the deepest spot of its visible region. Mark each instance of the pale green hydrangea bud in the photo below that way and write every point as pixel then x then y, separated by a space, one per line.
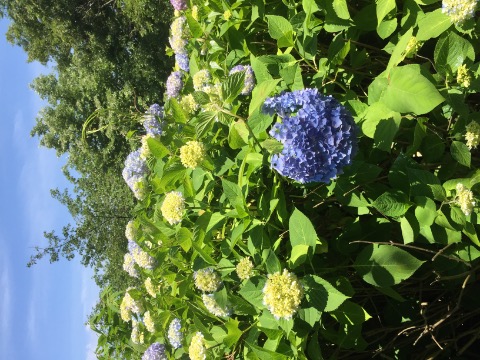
pixel 465 199
pixel 173 207
pixel 145 149
pixel 207 280
pixel 412 47
pixel 192 154
pixel 244 268
pixel 227 14
pixel 463 77
pixel 197 350
pixel 195 12
pixel 282 294
pixel 472 135
pixel 152 289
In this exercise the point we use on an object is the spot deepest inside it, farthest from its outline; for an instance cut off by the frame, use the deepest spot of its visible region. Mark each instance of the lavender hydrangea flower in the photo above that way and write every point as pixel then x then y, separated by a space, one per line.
pixel 175 335
pixel 156 351
pixel 134 173
pixel 151 124
pixel 141 257
pixel 317 132
pixel 183 61
pixel 249 82
pixel 179 4
pixel 174 84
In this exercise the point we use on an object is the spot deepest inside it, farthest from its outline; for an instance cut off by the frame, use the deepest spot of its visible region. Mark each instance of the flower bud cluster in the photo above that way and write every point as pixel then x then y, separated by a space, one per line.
pixel 465 199
pixel 472 135
pixel 192 154
pixel 282 294
pixel 459 10
pixel 156 351
pixel 175 335
pixel 207 280
pixel 196 350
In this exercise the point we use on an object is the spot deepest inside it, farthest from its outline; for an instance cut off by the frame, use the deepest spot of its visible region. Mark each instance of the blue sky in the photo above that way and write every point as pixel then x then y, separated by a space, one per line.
pixel 42 309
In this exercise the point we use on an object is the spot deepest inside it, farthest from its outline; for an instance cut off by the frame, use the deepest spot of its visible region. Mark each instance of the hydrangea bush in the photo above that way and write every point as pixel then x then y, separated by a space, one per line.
pixel 310 191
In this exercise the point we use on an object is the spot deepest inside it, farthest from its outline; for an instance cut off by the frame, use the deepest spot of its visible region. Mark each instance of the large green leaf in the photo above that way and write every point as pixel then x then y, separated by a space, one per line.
pixel 409 91
pixel 385 265
pixel 393 203
pixel 260 93
pixel 303 237
pixel 281 30
pixel 322 295
pixel 461 153
pixel 432 25
pixel 252 291
pixel 450 52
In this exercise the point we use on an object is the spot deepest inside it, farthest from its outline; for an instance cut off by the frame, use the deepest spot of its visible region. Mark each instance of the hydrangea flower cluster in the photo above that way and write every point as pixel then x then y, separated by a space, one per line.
pixel 213 307
pixel 152 126
pixel 207 280
pixel 130 231
pixel 463 77
pixel 178 42
pixel 412 47
pixel 201 80
pixel 179 4
pixel 249 82
pixel 282 294
pixel 244 268
pixel 129 265
pixel 196 350
pixel 173 207
pixel 141 257
pixel 144 149
pixel 459 10
pixel 137 336
pixel 134 173
pixel 189 104
pixel 472 135
pixel 156 351
pixel 151 288
pixel 129 306
pixel 465 199
pixel 174 84
pixel 192 154
pixel 317 132
pixel 175 335
pixel 148 321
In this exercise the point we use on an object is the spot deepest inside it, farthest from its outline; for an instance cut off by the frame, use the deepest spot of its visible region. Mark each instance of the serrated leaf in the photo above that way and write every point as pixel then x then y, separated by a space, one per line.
pixel 273 146
pixel 178 113
pixel 281 30
pixel 350 313
pixel 450 52
pixel 252 291
pixel 302 231
pixel 201 97
pixel 299 255
pixel 264 354
pixel 385 265
pixel 383 7
pixel 157 148
pixel 233 86
pixel 392 203
pixel 461 153
pixel 205 122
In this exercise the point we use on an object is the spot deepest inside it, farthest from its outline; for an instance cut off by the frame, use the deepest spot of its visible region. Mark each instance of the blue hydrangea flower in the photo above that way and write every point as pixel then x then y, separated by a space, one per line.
pixel 317 132
pixel 134 173
pixel 175 335
pixel 179 4
pixel 174 84
pixel 249 82
pixel 151 124
pixel 156 351
pixel 183 61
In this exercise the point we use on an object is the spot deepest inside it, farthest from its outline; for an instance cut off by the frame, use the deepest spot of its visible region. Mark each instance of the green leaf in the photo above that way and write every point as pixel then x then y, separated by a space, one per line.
pixel 374 115
pixel 233 86
pixel 309 6
pixel 393 203
pixel 321 294
pixel 432 25
pixel 450 52
pixel 426 210
pixel 252 291
pixel 184 238
pixel 383 8
pixel 238 135
pixel 203 254
pixel 423 182
pixel 205 122
pixel 264 354
pixel 399 52
pixel 302 231
pixel 310 315
pixel 281 30
pixel 272 264
pixel 387 27
pixel 409 91
pixel 178 113
pixel 157 148
pixel 341 9
pixel 350 313
pixel 385 265
pixel 233 332
pixel 273 146
pixel 298 255
pixel 260 93
pixel 461 153
pixel 201 97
